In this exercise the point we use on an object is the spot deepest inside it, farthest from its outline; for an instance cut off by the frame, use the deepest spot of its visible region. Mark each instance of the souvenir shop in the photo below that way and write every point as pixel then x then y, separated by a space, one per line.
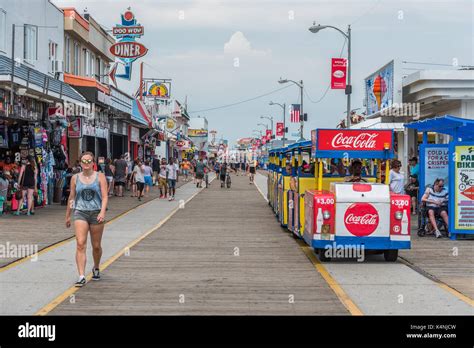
pixel 31 128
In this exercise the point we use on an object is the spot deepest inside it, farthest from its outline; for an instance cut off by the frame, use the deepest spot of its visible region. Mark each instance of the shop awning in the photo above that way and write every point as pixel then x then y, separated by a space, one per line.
pixel 40 83
pixel 377 123
pixel 450 125
pixel 140 113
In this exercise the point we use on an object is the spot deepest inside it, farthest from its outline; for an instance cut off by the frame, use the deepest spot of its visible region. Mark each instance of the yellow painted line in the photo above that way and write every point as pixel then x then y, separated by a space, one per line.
pixel 58 300
pixel 456 293
pixel 56 245
pixel 442 285
pixel 333 284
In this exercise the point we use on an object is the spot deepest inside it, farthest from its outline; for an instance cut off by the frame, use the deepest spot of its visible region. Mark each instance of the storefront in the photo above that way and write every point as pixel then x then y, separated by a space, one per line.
pixel 140 123
pixel 34 123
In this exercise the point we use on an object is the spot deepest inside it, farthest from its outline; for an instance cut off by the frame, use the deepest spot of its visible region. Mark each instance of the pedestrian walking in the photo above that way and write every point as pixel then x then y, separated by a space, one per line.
pixel 139 174
pixel 172 170
pixel 155 165
pixel 163 177
pixel 185 168
pixel 396 178
pixel 199 172
pixel 88 199
pixel 252 169
pixel 121 171
pixel 28 185
pixel 148 177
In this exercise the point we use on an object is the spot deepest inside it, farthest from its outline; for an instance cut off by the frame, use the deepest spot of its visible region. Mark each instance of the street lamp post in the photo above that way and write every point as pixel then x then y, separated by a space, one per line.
pixel 301 86
pixel 271 121
pixel 316 28
pixel 284 119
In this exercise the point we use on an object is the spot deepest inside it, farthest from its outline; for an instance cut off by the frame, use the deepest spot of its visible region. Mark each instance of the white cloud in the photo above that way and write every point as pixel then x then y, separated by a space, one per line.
pixel 239 45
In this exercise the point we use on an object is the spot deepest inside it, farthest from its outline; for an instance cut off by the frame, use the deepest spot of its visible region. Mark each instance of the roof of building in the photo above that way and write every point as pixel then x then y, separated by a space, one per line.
pixel 450 125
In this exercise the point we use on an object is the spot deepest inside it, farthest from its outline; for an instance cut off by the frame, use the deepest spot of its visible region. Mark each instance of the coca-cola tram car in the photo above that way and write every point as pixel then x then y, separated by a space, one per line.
pixel 274 176
pixel 355 210
pixel 303 173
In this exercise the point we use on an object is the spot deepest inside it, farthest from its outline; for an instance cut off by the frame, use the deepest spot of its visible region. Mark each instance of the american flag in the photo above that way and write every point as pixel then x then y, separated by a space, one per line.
pixel 295 113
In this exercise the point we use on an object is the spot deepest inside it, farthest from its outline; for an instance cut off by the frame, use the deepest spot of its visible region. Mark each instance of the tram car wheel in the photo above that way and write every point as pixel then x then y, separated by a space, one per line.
pixel 390 255
pixel 322 255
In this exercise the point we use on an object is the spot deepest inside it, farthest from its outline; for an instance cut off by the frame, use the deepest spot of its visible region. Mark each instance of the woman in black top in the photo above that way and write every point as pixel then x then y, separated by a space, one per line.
pixel 28 184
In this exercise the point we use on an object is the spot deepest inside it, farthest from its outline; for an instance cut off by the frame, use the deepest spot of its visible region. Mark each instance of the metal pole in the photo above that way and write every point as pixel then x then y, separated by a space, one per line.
pixel 301 112
pixel 284 124
pixel 13 66
pixel 349 87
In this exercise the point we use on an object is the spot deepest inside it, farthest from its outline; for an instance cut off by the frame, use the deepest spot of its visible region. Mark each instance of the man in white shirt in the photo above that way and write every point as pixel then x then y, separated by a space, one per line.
pixel 172 170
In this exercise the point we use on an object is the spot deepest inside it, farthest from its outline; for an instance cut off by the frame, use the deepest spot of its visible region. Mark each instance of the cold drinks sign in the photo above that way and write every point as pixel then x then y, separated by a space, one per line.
pixel 127 49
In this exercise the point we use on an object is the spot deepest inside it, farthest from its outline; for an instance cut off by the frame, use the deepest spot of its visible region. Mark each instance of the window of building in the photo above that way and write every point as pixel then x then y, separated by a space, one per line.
pixel 76 59
pixel 53 57
pixel 3 30
pixel 67 64
pixel 92 65
pixel 30 42
pixel 97 69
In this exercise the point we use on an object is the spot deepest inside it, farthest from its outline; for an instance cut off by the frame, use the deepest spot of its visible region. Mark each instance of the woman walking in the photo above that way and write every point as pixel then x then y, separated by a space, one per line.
pixel 148 174
pixel 88 199
pixel 28 185
pixel 139 173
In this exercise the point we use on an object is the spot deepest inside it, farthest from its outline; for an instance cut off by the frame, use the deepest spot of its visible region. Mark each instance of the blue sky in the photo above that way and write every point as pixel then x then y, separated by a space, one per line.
pixel 196 43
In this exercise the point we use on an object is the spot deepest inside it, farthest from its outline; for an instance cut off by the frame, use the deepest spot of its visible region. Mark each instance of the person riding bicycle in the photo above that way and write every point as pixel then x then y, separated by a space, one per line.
pixel 223 173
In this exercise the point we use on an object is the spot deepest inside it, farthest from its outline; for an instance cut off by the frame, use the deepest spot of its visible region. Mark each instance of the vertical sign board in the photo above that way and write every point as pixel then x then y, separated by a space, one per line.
pixel 461 171
pixel 434 164
pixel 338 73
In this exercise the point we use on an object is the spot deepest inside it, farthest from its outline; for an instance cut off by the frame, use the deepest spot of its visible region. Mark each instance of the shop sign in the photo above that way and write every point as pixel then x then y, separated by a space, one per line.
pixel 159 90
pixel 103 98
pixel 197 132
pixel 74 130
pixel 170 124
pixel 135 135
pixel 101 132
pixel 464 187
pixel 313 143
pixel 127 49
pixel 88 130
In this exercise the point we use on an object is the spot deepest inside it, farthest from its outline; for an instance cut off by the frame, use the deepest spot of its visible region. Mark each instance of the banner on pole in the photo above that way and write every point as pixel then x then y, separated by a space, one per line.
pixel 338 73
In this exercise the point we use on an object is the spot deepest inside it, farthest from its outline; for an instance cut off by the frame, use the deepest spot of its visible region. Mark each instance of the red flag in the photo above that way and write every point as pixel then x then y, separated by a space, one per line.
pixel 279 130
pixel 338 73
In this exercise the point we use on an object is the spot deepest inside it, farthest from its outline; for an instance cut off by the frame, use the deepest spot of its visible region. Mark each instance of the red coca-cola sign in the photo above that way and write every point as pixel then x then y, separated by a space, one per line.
pixel 354 140
pixel 361 219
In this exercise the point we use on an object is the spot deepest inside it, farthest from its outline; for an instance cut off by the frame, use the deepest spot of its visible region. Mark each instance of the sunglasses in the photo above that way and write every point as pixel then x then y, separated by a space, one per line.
pixel 86 161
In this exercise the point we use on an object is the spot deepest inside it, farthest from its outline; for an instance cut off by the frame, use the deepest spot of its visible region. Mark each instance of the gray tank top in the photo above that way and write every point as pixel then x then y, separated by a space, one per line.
pixel 88 197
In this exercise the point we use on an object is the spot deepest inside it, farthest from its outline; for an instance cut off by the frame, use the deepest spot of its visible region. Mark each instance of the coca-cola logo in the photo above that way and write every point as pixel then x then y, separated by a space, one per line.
pixel 363 141
pixel 361 219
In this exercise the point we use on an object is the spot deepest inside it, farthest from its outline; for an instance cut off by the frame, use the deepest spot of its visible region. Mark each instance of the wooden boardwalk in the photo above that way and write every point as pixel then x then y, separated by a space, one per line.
pixel 224 253
pixel 47 226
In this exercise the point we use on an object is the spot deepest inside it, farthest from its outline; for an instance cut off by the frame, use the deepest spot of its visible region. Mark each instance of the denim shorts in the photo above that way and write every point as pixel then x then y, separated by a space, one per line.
pixel 172 183
pixel 88 216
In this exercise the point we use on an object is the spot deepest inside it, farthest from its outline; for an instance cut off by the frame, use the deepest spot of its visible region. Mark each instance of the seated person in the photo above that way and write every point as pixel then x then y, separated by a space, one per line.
pixel 436 199
pixel 356 172
pixel 337 167
pixel 411 189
